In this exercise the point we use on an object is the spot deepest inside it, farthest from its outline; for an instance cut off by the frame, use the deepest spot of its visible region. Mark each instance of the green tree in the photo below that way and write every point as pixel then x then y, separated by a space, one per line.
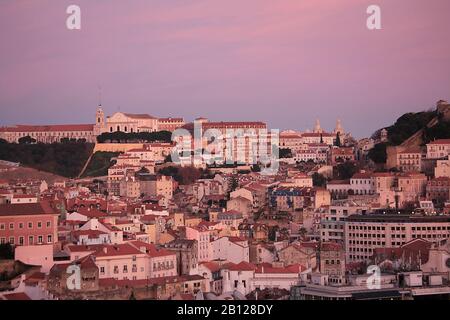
pixel 344 171
pixel 6 251
pixel 234 184
pixel 319 180
pixel 338 140
pixel 378 153
pixel 285 153
pixel 27 140
pixel 439 131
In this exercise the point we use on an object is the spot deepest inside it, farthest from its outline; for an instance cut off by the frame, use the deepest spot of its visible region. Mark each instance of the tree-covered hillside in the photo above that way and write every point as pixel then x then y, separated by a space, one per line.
pixel 64 159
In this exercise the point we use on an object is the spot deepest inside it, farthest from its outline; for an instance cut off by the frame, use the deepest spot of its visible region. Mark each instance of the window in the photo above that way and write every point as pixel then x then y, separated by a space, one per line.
pixel 2 240
pixel 11 226
pixel 11 240
pixel 21 241
pixel 20 225
pixel 2 226
pixel 30 240
pixel 102 270
pixel 40 239
pixel 30 225
pixel 49 224
pixel 39 224
pixel 49 238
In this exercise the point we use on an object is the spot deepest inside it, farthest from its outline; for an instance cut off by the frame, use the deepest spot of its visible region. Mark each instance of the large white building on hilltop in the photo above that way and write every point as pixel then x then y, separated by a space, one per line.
pixel 125 122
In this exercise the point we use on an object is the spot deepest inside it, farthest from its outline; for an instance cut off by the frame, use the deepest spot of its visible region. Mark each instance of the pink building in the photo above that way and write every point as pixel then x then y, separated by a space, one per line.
pixel 28 224
pixel 203 236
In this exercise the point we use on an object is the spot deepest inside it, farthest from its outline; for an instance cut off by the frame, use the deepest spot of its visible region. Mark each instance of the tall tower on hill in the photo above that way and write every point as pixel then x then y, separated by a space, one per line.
pixel 99 121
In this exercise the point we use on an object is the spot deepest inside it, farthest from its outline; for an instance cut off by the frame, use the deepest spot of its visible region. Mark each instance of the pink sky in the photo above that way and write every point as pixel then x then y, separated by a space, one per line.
pixel 286 62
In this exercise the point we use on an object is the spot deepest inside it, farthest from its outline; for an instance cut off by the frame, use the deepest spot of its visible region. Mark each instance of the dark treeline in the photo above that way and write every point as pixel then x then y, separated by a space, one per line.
pixel 65 159
pixel 123 137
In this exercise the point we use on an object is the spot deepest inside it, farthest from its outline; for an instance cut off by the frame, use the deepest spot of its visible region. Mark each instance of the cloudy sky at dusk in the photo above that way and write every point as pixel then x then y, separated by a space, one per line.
pixel 286 62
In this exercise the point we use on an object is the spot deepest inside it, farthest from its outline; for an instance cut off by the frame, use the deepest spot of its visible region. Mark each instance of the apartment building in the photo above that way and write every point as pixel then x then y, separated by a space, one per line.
pixel 28 224
pixel 364 233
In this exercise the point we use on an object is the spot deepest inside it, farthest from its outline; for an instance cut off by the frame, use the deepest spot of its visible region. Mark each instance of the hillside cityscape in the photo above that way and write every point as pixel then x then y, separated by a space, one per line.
pixel 224 159
pixel 136 207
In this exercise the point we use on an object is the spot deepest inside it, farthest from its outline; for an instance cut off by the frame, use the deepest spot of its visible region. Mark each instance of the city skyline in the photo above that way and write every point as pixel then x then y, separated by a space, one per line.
pixel 252 155
pixel 193 58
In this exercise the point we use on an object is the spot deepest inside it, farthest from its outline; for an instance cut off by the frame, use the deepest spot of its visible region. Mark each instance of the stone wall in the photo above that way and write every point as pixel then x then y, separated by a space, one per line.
pixel 116 147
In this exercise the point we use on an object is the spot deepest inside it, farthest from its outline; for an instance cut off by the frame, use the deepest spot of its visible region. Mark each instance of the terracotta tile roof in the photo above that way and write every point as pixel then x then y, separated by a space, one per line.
pixel 151 249
pixel 362 175
pixel 241 266
pixel 330 246
pixel 40 208
pixel 382 174
pixel 208 224
pixel 117 250
pixel 268 268
pixel 50 128
pixel 16 296
pixel 411 250
pixel 139 116
pixel 85 262
pixel 211 266
pixel 91 213
pixel 440 141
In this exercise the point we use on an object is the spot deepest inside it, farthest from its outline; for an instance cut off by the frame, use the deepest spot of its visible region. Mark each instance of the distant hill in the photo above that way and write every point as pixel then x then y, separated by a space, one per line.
pixel 24 173
pixel 414 129
pixel 62 159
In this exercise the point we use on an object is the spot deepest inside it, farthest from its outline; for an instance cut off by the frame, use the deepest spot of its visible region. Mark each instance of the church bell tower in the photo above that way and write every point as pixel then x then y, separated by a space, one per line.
pixel 99 121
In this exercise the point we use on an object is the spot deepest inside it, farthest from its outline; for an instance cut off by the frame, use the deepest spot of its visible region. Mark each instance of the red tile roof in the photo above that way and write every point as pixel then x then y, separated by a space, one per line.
pixel 139 116
pixel 211 266
pixel 440 141
pixel 151 249
pixel 91 213
pixel 40 208
pixel 242 266
pixel 16 296
pixel 50 128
